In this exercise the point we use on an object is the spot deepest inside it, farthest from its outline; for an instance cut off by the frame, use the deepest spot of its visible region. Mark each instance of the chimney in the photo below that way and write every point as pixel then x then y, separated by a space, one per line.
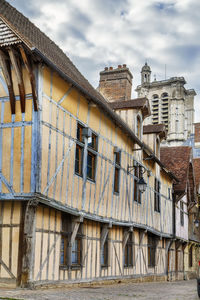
pixel 116 84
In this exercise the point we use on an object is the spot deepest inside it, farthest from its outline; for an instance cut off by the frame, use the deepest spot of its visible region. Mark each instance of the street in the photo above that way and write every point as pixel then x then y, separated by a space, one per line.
pixel 177 290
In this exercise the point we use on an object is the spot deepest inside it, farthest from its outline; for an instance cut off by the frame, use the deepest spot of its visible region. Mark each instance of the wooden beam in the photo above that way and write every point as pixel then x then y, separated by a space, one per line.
pixel 31 76
pixel 5 65
pixel 18 72
pixel 125 239
pixel 104 235
pixel 28 242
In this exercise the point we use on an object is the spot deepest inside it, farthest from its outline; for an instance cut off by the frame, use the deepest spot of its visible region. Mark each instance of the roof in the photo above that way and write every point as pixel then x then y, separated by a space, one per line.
pixel 40 45
pixel 196 163
pixel 138 103
pixel 44 48
pixel 177 160
pixel 155 128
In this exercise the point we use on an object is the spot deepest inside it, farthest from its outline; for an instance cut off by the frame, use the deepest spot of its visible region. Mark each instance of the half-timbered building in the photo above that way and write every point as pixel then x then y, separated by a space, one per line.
pixel 71 209
pixel 186 211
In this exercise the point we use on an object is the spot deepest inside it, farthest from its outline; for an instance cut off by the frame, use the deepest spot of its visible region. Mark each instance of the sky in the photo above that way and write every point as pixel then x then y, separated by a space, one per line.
pixel 99 33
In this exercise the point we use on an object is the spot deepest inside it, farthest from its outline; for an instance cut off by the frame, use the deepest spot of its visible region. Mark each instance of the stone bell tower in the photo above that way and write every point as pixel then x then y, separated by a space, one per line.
pixel 145 74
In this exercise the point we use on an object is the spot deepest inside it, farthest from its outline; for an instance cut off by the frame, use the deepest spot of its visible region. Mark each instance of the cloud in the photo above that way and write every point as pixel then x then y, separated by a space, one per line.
pixel 102 33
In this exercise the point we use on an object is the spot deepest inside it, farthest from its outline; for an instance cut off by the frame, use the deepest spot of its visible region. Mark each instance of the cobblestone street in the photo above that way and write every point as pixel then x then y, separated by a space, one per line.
pixel 178 290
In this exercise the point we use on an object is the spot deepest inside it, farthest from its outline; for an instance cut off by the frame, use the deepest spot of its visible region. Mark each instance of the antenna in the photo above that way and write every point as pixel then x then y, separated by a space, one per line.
pixel 165 71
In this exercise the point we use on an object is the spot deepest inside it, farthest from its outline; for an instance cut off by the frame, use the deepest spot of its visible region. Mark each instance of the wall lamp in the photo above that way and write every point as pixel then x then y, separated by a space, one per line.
pixel 141 182
pixel 196 223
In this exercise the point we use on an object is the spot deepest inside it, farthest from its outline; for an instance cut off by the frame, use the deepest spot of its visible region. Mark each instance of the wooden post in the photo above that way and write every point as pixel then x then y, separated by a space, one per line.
pixel 28 243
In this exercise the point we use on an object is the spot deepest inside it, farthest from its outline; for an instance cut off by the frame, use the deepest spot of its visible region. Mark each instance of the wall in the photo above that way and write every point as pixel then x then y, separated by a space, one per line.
pixel 62 107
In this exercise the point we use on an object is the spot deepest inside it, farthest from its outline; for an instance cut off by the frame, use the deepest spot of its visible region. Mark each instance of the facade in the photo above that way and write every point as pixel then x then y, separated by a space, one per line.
pixel 70 205
pixel 186 209
pixel 70 166
pixel 171 104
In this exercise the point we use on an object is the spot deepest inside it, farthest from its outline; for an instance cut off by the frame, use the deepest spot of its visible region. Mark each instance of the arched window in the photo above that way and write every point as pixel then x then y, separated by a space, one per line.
pixel 164 95
pixel 155 96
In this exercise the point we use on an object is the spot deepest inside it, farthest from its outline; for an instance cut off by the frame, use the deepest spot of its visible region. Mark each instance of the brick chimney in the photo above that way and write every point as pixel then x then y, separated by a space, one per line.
pixel 116 84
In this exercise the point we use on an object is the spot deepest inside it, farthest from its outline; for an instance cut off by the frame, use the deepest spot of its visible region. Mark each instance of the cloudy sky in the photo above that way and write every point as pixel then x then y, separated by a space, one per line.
pixel 99 33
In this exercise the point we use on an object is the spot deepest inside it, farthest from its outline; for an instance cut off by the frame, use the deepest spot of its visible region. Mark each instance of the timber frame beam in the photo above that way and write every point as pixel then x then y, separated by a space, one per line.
pixel 14 57
pixel 18 70
pixel 126 237
pixel 31 75
pixel 6 69
pixel 75 227
pixel 104 234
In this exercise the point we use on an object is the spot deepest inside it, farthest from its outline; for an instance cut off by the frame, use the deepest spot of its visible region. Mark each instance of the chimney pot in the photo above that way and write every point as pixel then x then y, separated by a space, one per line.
pixel 119 66
pixel 106 68
pixel 111 68
pixel 124 65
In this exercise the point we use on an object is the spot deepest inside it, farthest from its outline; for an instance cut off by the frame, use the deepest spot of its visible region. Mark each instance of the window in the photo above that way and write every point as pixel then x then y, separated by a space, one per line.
pixel 91 153
pixel 79 151
pixel 117 160
pixel 91 156
pixel 70 255
pixel 151 250
pixel 104 254
pixel 190 256
pixel 138 128
pixel 137 176
pixel 104 247
pixel 182 213
pixel 128 252
pixel 157 195
pixel 169 193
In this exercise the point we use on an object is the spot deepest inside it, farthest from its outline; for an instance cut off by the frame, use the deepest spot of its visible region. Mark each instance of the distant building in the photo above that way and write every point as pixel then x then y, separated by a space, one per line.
pixel 170 104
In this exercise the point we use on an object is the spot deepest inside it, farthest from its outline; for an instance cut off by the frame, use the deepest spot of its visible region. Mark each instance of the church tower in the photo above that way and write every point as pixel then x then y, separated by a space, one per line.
pixel 145 74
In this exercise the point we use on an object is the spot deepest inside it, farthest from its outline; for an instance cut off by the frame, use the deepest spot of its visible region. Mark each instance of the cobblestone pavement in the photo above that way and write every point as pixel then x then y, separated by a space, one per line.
pixel 178 290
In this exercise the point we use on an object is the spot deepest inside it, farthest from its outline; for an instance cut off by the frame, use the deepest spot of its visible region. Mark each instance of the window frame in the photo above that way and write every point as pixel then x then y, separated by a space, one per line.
pixel 129 252
pixel 137 175
pixel 104 251
pixel 92 152
pixel 66 252
pixel 190 256
pixel 182 213
pixel 157 196
pixel 151 248
pixel 80 148
pixel 117 162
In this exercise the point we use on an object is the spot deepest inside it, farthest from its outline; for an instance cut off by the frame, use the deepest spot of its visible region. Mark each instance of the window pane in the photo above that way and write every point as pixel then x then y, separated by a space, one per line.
pixel 62 258
pixel 90 165
pixel 92 142
pixel 116 181
pixel 78 160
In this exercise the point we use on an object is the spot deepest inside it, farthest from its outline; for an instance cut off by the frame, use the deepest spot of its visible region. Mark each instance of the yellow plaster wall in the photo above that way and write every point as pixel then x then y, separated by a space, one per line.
pixel 11 215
